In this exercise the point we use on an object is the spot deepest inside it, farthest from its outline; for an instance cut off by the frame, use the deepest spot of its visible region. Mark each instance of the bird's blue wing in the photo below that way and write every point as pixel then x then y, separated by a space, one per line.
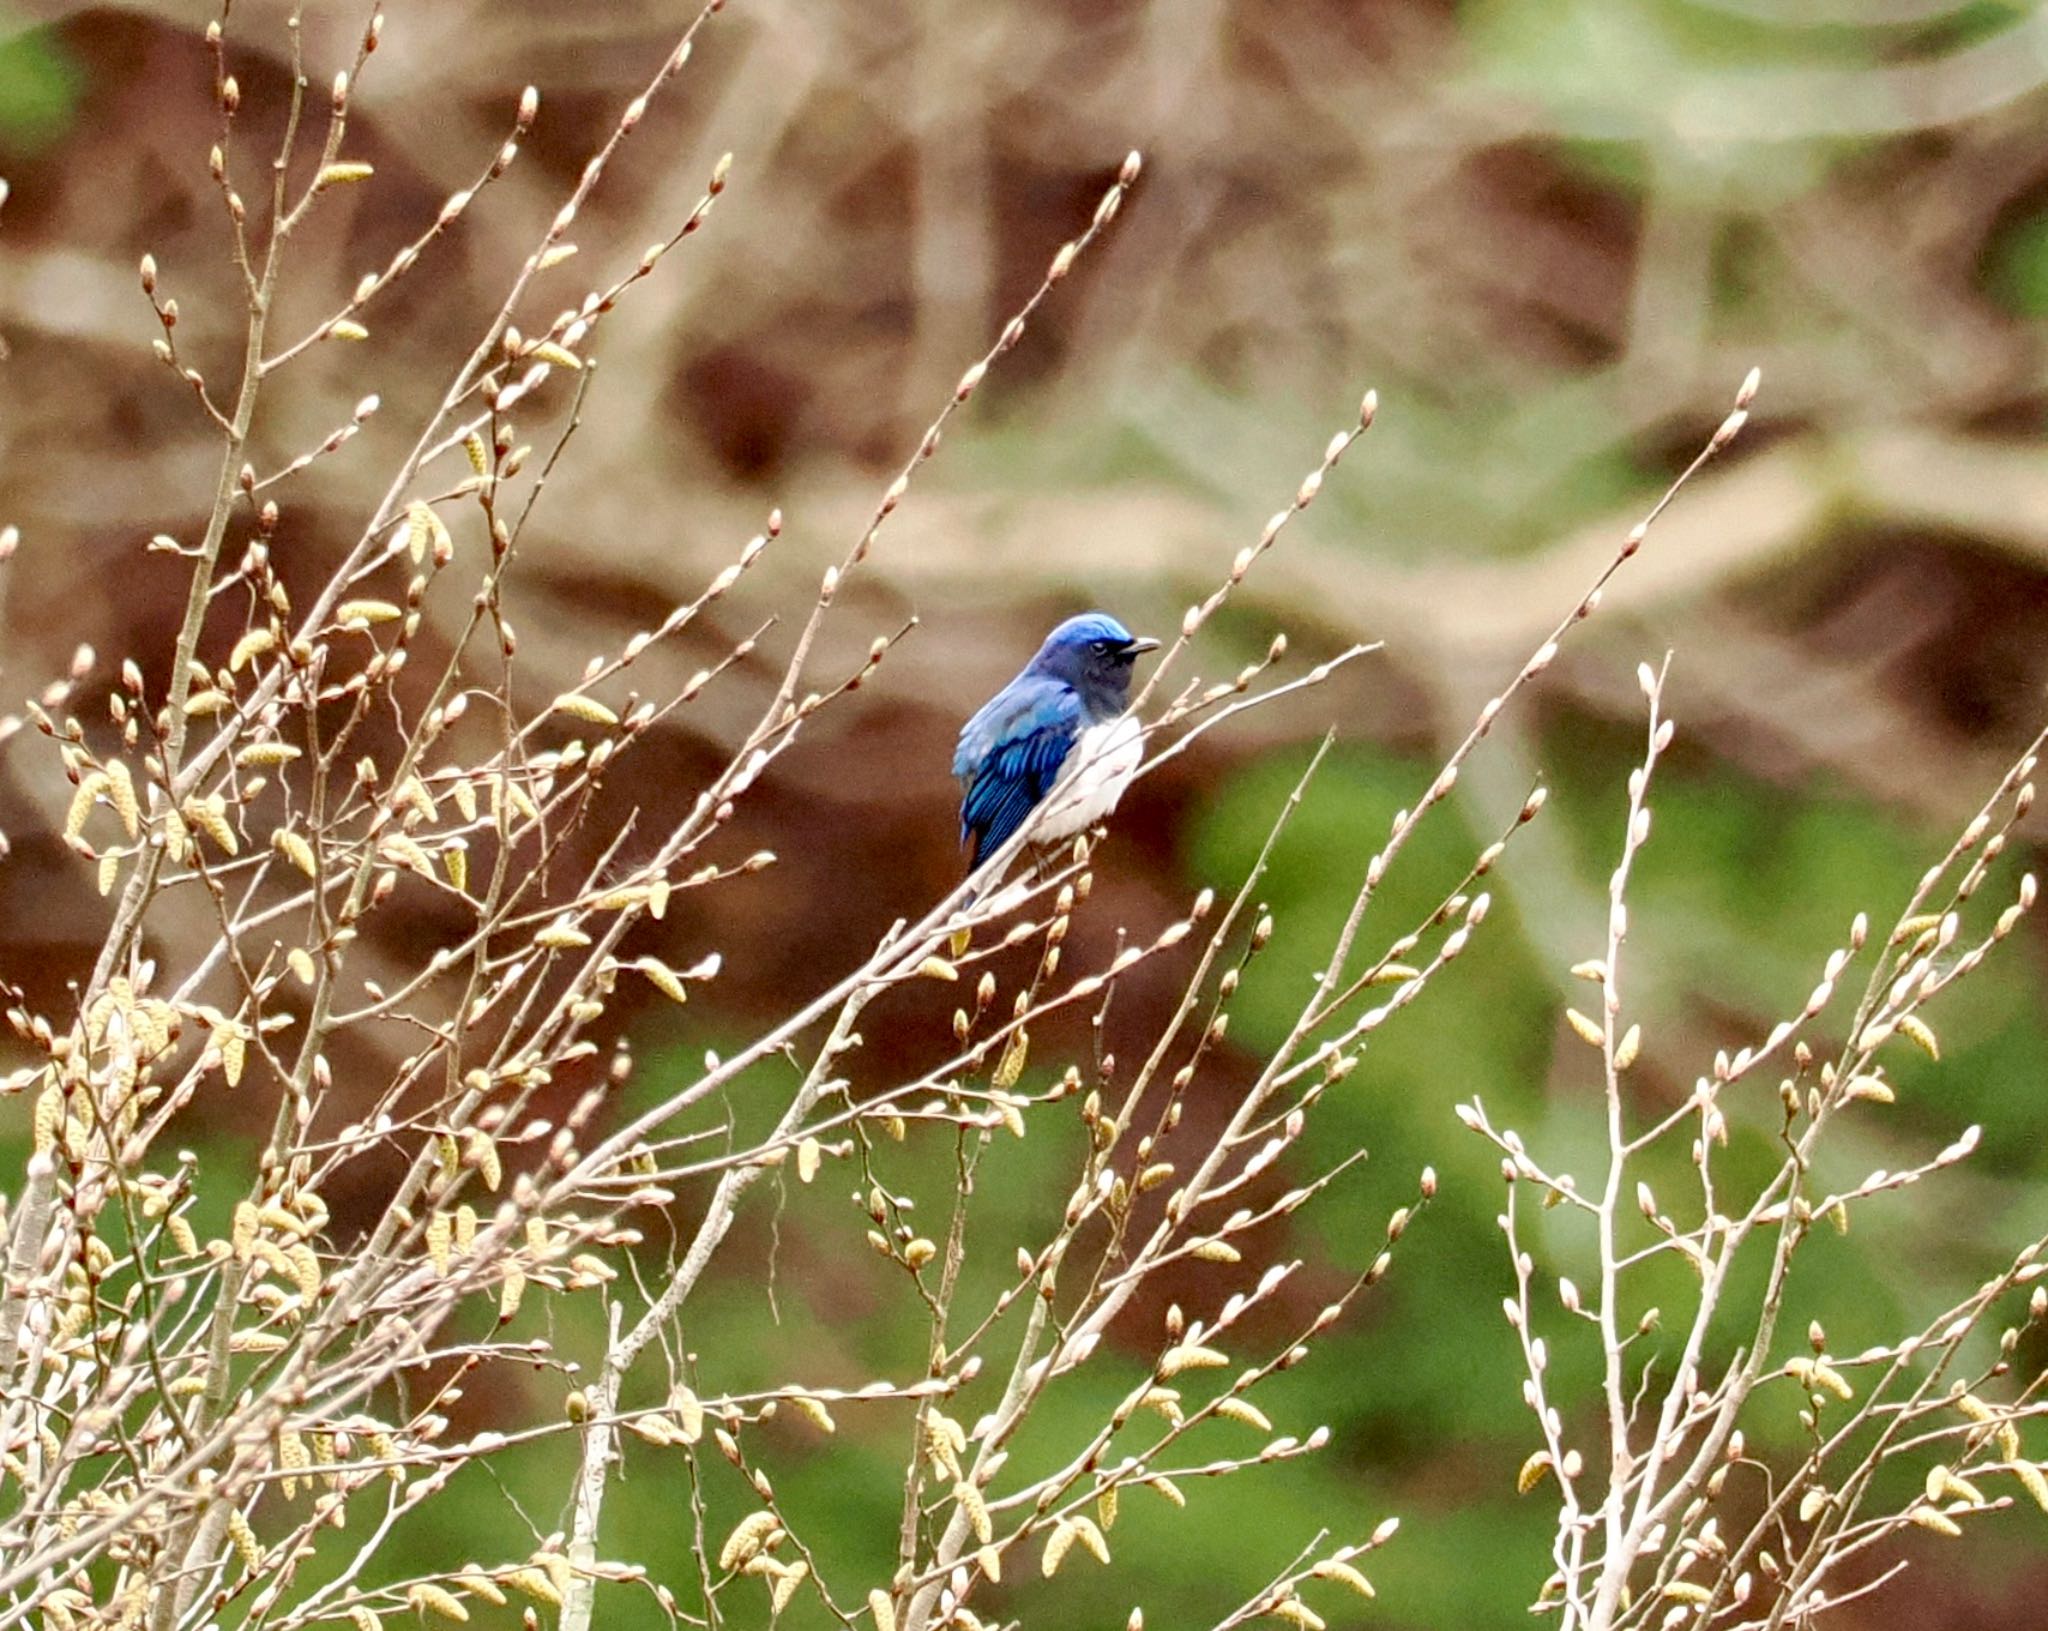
pixel 1009 755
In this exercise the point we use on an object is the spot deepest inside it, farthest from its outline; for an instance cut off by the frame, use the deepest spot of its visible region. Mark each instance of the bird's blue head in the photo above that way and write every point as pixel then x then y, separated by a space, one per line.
pixel 1093 653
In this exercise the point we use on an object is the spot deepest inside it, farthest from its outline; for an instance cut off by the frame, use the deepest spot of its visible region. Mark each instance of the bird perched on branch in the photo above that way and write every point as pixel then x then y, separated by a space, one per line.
pixel 1058 735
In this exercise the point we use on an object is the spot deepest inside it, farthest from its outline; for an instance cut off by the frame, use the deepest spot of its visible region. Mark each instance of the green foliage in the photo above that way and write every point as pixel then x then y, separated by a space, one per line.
pixel 39 88
pixel 2018 270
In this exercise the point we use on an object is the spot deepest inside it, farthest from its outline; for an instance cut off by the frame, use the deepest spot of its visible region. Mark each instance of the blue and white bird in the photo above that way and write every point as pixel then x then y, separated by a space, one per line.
pixel 1058 735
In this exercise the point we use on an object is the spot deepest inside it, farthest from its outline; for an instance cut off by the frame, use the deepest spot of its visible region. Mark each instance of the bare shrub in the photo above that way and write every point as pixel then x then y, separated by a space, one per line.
pixel 1675 1517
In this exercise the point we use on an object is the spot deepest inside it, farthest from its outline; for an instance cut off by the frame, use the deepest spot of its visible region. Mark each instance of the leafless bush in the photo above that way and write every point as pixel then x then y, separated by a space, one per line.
pixel 182 1417
pixel 1674 1519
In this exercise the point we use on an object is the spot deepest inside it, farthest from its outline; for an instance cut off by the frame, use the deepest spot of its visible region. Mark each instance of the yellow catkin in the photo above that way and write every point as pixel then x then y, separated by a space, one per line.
pixel 746 1539
pixel 975 1510
pixel 294 848
pixel 210 816
pixel 244 1539
pixel 292 1458
pixel 1825 1375
pixel 1090 1536
pixel 305 1263
pixel 121 795
pixel 234 1053
pixel 483 1155
pixel 1011 1065
pixel 272 1255
pixel 1917 1031
pixel 1190 1356
pixel 663 978
pixel 407 852
pixel 256 643
pixel 535 1584
pixel 588 709
pixel 1344 1574
pixel 432 1599
pixel 945 1442
pixel 255 1342
pixel 1588 1032
pixel 425 531
pixel 814 1412
pixel 1057 1545
pixel 1245 1411
pixel 785 1585
pixel 478 1584
pixel 49 1117
pixel 412 793
pixel 243 1236
pixel 1164 1400
pixel 177 840
pixel 82 801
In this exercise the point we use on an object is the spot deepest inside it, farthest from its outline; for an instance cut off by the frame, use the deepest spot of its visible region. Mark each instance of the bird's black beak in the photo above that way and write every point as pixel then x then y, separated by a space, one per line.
pixel 1141 644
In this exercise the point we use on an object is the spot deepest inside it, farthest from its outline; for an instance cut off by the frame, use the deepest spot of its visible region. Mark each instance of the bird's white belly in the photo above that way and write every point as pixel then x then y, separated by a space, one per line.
pixel 1104 760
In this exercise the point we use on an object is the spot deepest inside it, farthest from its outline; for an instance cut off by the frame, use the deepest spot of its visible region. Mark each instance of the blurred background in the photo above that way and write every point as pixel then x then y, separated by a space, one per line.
pixel 1553 234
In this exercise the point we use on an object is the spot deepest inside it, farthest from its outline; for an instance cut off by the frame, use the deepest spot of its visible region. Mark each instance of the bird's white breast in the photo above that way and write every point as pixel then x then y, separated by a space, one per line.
pixel 1104 759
